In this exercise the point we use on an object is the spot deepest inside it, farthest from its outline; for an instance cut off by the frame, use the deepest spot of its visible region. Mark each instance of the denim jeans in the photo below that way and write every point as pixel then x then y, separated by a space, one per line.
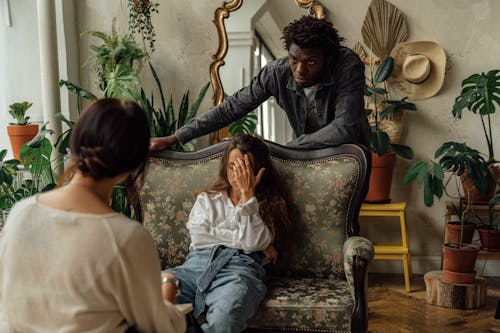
pixel 230 294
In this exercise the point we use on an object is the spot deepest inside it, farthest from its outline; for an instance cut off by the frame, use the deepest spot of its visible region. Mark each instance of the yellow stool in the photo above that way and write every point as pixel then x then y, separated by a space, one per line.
pixel 392 251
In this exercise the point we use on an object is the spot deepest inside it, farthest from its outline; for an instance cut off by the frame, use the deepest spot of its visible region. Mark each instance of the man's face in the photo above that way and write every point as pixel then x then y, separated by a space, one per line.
pixel 307 65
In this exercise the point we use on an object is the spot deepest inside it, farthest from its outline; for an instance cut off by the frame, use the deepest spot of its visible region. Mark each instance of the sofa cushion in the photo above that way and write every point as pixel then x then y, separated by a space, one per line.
pixel 166 199
pixel 323 191
pixel 317 304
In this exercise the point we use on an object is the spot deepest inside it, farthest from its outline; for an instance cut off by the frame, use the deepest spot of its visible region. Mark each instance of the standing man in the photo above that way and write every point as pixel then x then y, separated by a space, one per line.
pixel 319 85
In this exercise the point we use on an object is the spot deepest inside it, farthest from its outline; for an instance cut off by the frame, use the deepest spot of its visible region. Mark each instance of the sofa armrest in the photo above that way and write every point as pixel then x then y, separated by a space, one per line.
pixel 358 252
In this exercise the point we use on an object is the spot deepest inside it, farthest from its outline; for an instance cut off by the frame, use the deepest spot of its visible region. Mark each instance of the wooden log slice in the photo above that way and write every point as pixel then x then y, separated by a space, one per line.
pixel 456 296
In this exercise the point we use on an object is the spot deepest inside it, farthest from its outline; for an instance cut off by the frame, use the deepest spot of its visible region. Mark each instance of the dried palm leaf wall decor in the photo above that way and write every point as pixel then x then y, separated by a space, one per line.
pixel 384 26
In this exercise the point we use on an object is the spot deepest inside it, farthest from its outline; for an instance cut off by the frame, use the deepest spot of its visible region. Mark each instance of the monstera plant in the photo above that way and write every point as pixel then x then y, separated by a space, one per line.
pixel 480 95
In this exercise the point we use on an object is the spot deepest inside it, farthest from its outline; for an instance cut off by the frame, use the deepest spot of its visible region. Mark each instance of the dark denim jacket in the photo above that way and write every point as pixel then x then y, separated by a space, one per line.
pixel 339 101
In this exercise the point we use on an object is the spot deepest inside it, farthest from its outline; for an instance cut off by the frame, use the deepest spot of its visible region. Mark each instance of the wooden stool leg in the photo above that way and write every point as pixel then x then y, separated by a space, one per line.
pixel 406 257
pixel 407 272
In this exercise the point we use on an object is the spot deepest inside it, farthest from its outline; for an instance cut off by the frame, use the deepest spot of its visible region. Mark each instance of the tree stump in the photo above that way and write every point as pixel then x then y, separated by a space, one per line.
pixel 456 296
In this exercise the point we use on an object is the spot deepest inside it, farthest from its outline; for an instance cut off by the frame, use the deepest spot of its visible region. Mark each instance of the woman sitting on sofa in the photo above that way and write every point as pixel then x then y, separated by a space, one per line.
pixel 68 263
pixel 232 227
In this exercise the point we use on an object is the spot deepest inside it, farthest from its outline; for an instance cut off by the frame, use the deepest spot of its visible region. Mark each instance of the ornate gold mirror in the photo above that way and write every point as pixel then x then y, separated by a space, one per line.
pixel 266 10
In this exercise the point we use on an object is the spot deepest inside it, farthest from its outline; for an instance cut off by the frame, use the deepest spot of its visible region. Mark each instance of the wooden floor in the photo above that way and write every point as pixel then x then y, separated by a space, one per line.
pixel 391 310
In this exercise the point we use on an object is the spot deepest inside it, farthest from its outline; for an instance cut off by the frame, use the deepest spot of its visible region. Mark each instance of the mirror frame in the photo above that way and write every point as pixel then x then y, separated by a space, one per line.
pixel 314 6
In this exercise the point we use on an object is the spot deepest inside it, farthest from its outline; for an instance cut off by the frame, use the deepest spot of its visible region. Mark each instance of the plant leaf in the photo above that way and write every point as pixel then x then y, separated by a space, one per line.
pixel 402 151
pixel 384 70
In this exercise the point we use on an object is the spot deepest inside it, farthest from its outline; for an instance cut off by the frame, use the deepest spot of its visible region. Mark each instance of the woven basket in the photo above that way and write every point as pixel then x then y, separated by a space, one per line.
pixel 392 125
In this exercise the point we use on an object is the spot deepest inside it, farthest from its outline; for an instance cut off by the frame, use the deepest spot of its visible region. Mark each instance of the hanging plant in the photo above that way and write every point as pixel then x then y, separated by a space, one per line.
pixel 139 20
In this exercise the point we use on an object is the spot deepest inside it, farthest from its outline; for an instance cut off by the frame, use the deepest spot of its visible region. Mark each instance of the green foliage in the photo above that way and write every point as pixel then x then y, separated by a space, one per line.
pixel 120 202
pixel 8 170
pixel 162 119
pixel 247 124
pixel 122 82
pixel 464 162
pixel 139 20
pixel 35 158
pixel 379 140
pixel 18 112
pixel 481 95
pixel 455 158
pixel 63 141
pixel 186 113
pixel 118 60
pixel 430 174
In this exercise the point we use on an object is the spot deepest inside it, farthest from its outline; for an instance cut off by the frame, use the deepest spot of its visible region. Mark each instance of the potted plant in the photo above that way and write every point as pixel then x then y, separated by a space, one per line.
pixel 383 150
pixel 21 131
pixel 490 233
pixel 466 163
pixel 37 173
pixel 480 95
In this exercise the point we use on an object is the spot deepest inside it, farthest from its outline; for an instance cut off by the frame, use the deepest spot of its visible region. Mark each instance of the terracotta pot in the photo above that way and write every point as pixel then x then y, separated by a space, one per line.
pixel 454 232
pixel 19 135
pixel 458 264
pixel 477 197
pixel 490 239
pixel 381 178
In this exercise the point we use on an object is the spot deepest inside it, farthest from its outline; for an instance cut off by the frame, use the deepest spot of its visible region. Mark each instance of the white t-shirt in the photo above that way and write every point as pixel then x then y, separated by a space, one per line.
pixel 312 116
pixel 63 271
pixel 214 220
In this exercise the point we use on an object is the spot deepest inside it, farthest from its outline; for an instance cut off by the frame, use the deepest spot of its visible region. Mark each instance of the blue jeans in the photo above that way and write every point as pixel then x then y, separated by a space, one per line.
pixel 231 293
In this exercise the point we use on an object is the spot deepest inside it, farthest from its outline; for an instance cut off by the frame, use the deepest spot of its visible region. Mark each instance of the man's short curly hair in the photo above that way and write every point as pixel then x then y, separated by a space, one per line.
pixel 310 32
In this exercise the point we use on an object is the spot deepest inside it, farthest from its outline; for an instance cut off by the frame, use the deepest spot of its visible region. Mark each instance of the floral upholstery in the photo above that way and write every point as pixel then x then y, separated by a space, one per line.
pixel 310 291
pixel 166 198
pixel 305 303
pixel 318 190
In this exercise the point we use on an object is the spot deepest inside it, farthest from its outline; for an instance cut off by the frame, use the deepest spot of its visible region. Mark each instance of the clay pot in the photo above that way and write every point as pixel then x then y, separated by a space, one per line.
pixel 458 264
pixel 381 178
pixel 454 232
pixel 19 135
pixel 490 239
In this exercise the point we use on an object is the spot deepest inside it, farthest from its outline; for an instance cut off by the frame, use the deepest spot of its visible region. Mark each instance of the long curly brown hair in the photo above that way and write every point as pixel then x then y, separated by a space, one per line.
pixel 309 32
pixel 271 192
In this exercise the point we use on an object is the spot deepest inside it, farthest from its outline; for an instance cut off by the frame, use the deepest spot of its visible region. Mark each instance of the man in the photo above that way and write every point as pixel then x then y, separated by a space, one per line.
pixel 319 85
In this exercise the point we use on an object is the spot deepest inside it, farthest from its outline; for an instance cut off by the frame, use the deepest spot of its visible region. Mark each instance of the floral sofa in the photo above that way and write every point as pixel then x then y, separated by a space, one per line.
pixel 321 286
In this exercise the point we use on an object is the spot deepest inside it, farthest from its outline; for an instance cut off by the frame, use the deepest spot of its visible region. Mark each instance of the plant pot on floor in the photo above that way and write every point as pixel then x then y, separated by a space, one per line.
pixel 379 190
pixel 490 238
pixel 458 263
pixel 453 229
pixel 19 135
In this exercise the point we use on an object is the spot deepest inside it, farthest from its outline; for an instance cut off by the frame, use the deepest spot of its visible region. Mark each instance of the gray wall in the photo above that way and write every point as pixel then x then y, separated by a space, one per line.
pixel 467 30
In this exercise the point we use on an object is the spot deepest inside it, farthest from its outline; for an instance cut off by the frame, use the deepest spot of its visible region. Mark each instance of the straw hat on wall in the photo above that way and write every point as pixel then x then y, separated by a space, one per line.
pixel 418 71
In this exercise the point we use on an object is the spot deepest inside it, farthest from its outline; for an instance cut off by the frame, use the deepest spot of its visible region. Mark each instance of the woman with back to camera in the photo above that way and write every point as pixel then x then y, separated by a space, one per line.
pixel 232 226
pixel 69 263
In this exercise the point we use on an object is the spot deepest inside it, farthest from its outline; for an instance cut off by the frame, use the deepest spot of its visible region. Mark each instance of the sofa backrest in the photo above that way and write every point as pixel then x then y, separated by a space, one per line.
pixel 327 186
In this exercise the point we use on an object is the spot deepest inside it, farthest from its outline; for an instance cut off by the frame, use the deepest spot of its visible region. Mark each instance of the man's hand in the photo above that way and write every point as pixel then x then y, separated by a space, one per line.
pixel 270 254
pixel 163 142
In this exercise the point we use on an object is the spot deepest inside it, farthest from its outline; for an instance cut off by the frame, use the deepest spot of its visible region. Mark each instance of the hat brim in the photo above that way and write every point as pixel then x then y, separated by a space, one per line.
pixel 433 83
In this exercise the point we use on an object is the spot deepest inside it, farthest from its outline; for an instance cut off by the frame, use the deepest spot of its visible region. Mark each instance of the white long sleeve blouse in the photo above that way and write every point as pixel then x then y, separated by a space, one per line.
pixel 214 220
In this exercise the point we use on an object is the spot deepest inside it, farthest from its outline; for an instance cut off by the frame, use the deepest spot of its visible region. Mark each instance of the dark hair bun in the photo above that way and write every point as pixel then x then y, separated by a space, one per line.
pixel 111 137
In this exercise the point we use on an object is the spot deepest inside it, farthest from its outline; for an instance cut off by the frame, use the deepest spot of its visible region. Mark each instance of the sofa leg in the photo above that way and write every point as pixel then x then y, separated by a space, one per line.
pixel 359 317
